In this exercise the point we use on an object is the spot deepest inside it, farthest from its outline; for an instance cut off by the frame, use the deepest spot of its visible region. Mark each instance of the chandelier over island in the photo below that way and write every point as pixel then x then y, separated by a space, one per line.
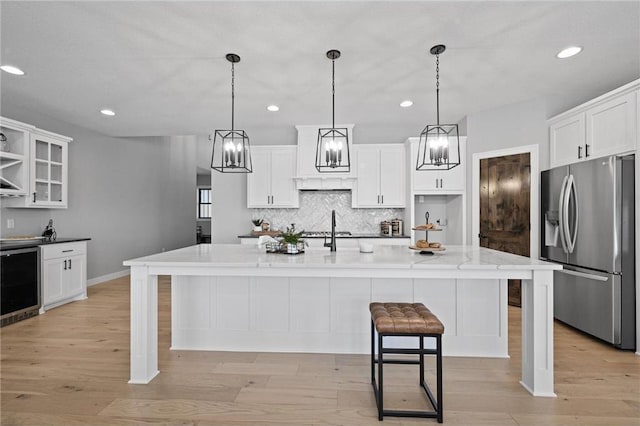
pixel 231 151
pixel 439 147
pixel 332 151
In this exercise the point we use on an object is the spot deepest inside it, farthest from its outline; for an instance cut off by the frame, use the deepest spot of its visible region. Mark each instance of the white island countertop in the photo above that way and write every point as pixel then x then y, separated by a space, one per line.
pixel 394 257
pixel 239 298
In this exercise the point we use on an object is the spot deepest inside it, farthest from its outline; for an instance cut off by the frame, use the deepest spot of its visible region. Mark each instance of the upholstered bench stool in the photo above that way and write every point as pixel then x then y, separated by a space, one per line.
pixel 413 320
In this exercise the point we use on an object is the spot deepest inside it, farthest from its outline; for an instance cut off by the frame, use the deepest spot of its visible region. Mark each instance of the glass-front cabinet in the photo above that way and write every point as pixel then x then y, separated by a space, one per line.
pixel 33 165
pixel 48 170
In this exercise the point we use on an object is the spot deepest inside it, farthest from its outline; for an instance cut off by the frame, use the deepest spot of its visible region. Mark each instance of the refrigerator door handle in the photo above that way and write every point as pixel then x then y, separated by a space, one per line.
pixel 572 193
pixel 561 219
pixel 583 275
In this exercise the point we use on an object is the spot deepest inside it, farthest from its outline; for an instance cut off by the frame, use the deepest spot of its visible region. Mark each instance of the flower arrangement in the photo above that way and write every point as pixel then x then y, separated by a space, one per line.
pixel 292 241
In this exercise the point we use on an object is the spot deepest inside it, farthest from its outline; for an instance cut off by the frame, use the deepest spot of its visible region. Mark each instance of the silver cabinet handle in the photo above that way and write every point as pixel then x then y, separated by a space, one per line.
pixel 579 152
pixel 586 150
pixel 69 263
pixel 378 199
pixel 583 275
pixel 382 198
pixel 67 251
pixel 65 265
pixel 437 184
pixel 440 183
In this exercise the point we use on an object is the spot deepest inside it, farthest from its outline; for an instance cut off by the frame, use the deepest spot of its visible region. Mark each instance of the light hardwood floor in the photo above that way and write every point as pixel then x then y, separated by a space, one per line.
pixel 71 366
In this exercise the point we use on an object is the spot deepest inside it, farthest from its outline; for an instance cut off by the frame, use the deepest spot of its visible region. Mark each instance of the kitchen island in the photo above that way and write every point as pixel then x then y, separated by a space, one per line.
pixel 238 298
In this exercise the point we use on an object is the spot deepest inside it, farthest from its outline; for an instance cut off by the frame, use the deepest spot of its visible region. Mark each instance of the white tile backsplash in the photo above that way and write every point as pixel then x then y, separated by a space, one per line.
pixel 314 214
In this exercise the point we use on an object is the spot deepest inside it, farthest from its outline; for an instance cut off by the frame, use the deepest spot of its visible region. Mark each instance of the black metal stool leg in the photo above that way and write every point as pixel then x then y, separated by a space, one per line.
pixel 380 375
pixel 373 371
pixel 439 376
pixel 421 360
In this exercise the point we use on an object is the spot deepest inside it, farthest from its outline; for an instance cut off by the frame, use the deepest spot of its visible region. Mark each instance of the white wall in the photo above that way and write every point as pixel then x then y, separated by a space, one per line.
pixel 509 126
pixel 229 212
pixel 131 196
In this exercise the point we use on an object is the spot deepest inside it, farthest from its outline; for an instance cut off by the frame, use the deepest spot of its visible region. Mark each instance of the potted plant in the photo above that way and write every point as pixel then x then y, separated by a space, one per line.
pixel 292 241
pixel 257 225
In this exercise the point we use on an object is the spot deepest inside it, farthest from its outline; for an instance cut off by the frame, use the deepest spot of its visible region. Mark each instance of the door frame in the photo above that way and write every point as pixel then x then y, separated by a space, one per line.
pixel 534 194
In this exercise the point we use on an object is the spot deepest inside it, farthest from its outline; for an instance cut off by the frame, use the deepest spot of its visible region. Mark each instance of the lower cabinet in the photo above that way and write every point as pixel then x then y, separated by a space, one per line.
pixel 64 273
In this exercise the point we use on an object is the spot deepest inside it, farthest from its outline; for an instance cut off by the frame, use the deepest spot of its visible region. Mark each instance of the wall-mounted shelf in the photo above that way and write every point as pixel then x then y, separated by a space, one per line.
pixel 14 150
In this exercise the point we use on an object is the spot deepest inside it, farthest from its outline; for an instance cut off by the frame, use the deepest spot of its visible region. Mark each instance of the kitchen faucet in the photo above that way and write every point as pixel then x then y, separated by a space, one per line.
pixel 332 243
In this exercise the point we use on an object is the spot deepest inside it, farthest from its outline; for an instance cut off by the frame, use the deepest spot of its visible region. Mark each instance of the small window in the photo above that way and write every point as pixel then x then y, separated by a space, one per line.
pixel 204 203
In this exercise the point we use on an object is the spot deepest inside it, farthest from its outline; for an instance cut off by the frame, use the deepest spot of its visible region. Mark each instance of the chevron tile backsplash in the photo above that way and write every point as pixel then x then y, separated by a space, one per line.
pixel 314 214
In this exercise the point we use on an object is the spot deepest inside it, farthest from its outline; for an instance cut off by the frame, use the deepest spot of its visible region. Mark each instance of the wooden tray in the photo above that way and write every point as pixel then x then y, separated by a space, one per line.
pixel 427 248
pixel 428 230
pixel 270 233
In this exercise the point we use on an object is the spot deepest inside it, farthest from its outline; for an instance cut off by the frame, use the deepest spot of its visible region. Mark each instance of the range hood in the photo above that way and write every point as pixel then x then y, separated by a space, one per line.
pixel 308 178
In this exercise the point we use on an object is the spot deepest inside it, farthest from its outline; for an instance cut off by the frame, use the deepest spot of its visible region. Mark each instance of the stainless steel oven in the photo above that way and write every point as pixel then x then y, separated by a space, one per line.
pixel 20 284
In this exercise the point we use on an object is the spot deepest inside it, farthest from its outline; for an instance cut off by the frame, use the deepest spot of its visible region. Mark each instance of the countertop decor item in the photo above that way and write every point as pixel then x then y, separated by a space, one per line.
pixel 439 147
pixel 257 225
pixel 292 242
pixel 332 151
pixel 231 147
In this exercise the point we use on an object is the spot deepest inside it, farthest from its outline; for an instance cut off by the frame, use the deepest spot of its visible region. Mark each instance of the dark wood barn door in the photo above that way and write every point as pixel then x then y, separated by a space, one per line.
pixel 505 208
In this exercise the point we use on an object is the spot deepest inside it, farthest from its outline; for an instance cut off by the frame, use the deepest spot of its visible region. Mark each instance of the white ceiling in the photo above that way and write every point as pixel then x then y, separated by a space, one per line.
pixel 161 65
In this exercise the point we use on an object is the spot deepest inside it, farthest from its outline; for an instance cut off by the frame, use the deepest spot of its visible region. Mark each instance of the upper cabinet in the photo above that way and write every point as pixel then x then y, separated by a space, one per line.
pixel 272 182
pixel 34 167
pixel 380 176
pixel 607 125
pixel 436 181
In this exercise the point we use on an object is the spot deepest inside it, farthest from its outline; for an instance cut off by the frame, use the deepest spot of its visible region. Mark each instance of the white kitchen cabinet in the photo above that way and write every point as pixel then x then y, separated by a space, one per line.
pixel 607 125
pixel 611 127
pixel 381 178
pixel 64 273
pixel 437 181
pixel 272 184
pixel 35 171
pixel 567 140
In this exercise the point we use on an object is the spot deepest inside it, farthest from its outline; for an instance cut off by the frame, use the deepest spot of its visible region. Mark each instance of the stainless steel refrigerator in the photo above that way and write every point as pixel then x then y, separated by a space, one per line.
pixel 588 225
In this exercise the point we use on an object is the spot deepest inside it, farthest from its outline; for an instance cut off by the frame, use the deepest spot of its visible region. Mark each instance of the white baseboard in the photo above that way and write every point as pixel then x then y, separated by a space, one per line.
pixel 107 277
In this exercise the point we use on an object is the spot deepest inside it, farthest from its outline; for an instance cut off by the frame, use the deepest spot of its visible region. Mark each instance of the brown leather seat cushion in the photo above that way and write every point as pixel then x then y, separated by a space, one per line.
pixel 409 318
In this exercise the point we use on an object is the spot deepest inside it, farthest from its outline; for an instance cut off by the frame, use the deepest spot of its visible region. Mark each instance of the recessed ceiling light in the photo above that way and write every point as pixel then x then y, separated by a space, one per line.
pixel 107 112
pixel 569 52
pixel 12 70
pixel 273 108
pixel 406 104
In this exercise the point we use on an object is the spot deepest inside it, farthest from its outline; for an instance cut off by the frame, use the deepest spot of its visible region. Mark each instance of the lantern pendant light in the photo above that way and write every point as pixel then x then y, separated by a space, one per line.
pixel 231 151
pixel 332 150
pixel 439 146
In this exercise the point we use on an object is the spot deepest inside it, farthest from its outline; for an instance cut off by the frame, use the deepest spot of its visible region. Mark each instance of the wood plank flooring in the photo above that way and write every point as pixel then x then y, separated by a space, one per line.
pixel 70 366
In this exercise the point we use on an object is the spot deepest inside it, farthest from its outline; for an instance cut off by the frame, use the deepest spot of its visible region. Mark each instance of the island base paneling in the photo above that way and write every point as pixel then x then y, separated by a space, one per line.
pixel 330 315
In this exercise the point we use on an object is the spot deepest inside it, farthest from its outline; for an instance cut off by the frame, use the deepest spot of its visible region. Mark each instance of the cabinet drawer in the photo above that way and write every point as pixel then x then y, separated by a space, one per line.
pixel 54 251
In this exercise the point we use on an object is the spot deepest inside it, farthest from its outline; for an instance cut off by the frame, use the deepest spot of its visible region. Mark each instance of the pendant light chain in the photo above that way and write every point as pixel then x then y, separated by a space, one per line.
pixel 233 75
pixel 333 93
pixel 438 89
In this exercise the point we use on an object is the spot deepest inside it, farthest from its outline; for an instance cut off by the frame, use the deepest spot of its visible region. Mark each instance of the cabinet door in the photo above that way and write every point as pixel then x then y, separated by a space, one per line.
pixel 48 183
pixel 611 127
pixel 368 180
pixel 453 179
pixel 567 140
pixel 392 177
pixel 283 169
pixel 74 283
pixel 259 181
pixel 53 275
